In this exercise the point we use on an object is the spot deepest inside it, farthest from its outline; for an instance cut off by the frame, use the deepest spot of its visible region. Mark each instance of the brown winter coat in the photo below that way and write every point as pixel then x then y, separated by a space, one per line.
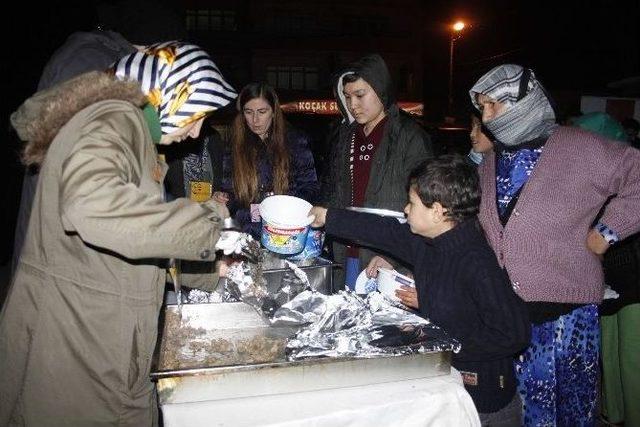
pixel 78 329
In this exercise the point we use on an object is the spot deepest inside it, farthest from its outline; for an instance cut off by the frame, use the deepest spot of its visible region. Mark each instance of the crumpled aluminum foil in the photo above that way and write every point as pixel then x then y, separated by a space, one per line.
pixel 197 296
pixel 339 325
pixel 353 327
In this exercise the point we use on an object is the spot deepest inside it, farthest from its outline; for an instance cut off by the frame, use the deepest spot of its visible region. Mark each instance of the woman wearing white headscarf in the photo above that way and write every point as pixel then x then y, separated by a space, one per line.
pixel 78 329
pixel 542 187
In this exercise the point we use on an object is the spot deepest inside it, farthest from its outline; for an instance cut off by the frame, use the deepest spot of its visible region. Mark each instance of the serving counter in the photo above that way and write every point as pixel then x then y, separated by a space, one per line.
pixel 236 374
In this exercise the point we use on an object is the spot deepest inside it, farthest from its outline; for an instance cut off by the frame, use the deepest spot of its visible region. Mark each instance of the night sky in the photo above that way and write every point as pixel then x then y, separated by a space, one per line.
pixel 573 46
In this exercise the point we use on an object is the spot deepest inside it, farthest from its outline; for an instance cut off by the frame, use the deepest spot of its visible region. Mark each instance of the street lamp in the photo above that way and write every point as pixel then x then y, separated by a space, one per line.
pixel 455 34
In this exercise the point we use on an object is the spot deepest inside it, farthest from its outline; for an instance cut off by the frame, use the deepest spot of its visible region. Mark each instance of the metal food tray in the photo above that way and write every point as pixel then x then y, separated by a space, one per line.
pixel 187 373
pixel 232 337
pixel 215 351
pixel 222 334
pixel 319 272
pixel 214 384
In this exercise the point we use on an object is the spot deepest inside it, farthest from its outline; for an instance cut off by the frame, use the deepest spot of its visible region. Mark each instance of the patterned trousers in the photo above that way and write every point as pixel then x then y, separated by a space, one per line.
pixel 558 373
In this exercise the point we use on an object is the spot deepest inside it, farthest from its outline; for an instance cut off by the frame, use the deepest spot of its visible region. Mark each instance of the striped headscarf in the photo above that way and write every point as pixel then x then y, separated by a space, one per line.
pixel 180 80
pixel 529 114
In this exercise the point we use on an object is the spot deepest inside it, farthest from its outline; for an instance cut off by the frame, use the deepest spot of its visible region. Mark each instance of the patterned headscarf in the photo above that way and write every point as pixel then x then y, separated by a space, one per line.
pixel 180 80
pixel 529 114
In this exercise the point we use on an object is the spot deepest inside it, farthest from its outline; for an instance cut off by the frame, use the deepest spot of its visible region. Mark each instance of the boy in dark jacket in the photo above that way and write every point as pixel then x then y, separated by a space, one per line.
pixel 459 283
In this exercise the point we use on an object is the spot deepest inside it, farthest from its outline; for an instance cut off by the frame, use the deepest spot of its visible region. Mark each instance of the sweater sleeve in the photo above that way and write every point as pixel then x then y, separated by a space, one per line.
pixel 385 234
pixel 503 326
pixel 622 214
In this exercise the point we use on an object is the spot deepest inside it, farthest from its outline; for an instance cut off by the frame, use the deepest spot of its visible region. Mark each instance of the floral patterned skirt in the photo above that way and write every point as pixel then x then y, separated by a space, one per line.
pixel 558 373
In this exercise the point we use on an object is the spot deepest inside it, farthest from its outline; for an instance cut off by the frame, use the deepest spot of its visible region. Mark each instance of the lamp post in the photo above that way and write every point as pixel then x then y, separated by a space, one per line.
pixel 457 28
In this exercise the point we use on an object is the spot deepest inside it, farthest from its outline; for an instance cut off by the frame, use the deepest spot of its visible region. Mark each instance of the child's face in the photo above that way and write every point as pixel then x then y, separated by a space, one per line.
pixel 363 103
pixel 421 219
pixel 479 141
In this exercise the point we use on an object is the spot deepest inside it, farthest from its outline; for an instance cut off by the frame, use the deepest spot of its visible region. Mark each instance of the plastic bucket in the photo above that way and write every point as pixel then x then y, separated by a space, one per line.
pixel 312 246
pixel 285 224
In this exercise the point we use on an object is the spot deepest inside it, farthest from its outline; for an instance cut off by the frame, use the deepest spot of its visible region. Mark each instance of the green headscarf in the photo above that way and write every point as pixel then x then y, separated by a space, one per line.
pixel 602 124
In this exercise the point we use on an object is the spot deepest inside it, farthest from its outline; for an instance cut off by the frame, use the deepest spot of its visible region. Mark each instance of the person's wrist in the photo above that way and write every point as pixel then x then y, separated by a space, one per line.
pixel 607 233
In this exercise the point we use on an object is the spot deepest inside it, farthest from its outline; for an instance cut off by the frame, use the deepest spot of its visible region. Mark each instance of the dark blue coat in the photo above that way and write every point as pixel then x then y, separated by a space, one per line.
pixel 303 181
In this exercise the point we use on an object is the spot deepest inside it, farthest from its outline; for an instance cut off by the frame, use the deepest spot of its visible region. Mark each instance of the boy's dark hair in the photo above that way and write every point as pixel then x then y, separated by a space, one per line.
pixel 451 181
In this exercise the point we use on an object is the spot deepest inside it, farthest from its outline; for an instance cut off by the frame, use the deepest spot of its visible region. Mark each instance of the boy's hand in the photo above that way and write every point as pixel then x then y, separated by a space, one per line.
pixel 408 296
pixel 377 261
pixel 596 243
pixel 320 214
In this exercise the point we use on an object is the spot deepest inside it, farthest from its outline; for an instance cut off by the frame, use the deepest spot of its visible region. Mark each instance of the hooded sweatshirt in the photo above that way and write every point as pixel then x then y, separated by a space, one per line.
pixel 403 145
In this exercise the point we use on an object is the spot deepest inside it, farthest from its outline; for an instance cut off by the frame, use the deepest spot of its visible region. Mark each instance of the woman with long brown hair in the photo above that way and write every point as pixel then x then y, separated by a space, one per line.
pixel 267 157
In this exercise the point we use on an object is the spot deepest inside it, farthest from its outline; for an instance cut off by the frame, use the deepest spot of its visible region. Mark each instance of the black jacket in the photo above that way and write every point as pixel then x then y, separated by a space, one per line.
pixel 460 288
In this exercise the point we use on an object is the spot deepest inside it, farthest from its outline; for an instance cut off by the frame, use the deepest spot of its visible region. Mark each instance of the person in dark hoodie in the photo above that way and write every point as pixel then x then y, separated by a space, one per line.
pixel 82 52
pixel 459 282
pixel 371 160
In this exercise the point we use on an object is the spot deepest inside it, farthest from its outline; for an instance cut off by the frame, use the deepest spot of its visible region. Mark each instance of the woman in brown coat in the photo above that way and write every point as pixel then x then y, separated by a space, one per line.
pixel 78 329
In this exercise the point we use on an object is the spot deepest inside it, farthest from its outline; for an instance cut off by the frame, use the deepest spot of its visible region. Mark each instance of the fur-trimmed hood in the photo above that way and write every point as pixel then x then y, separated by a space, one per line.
pixel 40 118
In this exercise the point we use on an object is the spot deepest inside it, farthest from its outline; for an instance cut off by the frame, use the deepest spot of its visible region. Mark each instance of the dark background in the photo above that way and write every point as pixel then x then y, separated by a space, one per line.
pixel 575 48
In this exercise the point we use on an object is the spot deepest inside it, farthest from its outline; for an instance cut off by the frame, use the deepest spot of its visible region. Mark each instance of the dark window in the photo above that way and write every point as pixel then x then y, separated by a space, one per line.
pixel 403 79
pixel 297 78
pixel 211 20
pixel 287 23
pixel 367 25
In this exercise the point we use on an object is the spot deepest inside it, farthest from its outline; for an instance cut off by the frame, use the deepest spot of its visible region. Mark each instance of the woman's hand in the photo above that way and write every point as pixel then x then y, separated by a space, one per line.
pixel 220 197
pixel 377 261
pixel 408 296
pixel 320 215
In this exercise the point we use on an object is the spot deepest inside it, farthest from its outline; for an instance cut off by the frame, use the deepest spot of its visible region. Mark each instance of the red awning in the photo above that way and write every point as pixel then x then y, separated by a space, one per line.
pixel 328 106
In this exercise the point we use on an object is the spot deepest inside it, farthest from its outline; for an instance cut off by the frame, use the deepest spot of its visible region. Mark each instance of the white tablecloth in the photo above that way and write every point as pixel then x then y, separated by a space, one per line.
pixel 436 401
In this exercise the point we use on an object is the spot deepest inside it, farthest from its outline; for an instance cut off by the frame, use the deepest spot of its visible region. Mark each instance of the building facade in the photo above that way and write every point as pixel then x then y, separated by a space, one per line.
pixel 298 46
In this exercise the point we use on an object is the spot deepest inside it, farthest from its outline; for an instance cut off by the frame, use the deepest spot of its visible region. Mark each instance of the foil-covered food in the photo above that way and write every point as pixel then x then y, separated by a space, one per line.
pixel 339 325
